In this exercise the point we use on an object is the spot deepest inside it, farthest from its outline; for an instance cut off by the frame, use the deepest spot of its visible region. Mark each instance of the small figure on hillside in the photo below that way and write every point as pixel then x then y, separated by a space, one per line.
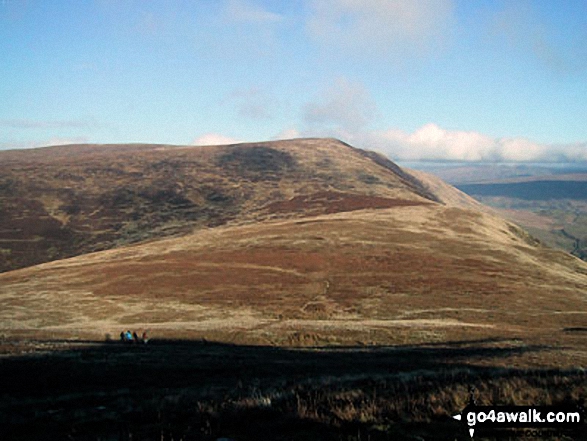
pixel 145 338
pixel 128 336
pixel 122 336
pixel 135 337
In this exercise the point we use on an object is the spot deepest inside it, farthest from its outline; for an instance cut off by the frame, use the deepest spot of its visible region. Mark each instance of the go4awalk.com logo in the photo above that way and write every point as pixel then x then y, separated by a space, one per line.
pixel 496 418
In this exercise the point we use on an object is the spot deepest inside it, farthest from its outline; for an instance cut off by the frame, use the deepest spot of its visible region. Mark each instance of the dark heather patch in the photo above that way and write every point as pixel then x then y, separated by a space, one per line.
pixel 257 162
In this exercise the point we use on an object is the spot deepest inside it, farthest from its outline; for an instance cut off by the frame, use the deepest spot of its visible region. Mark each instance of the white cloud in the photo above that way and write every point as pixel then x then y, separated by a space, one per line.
pixel 522 149
pixel 381 26
pixel 214 139
pixel 345 106
pixel 431 142
pixel 245 12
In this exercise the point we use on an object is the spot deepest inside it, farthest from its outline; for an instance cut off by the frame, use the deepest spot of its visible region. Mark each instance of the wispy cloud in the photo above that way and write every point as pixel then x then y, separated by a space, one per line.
pixel 381 26
pixel 523 30
pixel 345 106
pixel 242 11
pixel 253 103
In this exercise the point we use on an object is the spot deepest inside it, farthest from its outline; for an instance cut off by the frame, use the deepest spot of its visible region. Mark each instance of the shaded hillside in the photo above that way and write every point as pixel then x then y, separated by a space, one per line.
pixel 63 201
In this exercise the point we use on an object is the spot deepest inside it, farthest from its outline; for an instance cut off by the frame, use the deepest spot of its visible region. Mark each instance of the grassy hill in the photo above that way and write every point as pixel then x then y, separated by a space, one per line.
pixel 64 201
pixel 304 242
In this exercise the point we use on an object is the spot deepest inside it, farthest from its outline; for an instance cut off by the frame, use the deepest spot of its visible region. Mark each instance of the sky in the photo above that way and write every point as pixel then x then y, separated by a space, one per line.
pixel 457 80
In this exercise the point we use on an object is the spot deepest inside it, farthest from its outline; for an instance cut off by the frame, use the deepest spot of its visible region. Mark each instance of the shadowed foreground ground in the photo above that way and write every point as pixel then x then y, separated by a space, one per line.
pixel 195 390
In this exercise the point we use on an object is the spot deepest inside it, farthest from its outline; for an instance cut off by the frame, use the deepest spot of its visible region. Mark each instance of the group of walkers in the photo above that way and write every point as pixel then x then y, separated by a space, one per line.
pixel 133 337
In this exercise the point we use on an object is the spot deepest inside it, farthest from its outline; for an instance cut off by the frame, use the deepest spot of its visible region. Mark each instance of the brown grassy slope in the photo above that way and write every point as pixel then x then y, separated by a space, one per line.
pixel 407 274
pixel 62 201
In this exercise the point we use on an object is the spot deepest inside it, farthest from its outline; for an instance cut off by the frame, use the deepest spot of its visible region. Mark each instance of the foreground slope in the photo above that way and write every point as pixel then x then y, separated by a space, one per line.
pixel 415 274
pixel 63 201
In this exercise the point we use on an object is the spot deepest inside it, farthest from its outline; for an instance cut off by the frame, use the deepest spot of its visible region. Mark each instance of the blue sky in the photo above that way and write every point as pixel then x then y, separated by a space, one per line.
pixel 416 79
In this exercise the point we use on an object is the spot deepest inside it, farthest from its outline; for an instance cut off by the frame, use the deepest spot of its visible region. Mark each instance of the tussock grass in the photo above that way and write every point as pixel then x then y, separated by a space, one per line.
pixel 205 391
pixel 390 408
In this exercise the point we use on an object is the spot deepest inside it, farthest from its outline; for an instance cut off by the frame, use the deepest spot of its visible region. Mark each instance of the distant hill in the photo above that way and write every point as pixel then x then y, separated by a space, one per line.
pixel 488 173
pixel 533 190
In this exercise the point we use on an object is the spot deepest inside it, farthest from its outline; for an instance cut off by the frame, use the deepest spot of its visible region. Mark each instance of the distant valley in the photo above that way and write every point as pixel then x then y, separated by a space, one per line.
pixel 548 201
